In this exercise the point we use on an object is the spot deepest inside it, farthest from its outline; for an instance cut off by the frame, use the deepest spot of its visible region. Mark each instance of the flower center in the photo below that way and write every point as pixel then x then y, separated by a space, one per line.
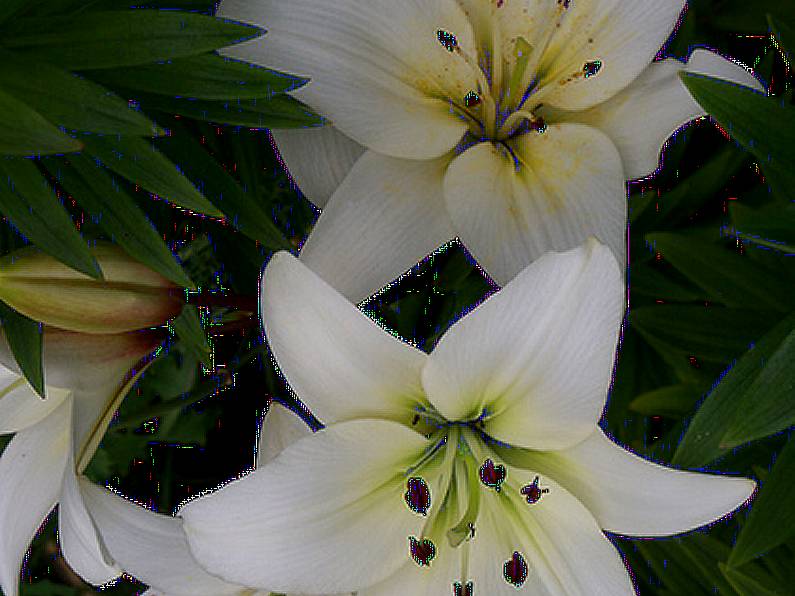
pixel 458 456
pixel 508 99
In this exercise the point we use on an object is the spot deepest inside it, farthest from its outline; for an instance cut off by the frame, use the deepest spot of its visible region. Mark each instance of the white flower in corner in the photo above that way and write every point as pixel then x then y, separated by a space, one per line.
pixel 153 548
pixel 478 469
pixel 87 376
pixel 511 124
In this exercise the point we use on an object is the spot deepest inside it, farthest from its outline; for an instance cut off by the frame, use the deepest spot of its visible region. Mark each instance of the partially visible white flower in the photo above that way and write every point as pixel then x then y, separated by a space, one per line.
pixel 153 548
pixel 512 124
pixel 480 463
pixel 55 437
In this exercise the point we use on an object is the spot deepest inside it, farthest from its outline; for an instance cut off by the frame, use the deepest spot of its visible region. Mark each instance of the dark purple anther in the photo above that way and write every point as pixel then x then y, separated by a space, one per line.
pixel 447 39
pixel 533 492
pixel 491 475
pixel 459 590
pixel 472 100
pixel 515 570
pixel 422 551
pixel 592 69
pixel 418 496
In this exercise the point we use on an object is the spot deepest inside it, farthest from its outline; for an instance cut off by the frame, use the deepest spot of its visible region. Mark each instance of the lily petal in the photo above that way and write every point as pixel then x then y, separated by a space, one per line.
pixel 317 159
pixel 149 546
pixel 624 37
pixel 334 518
pixel 641 118
pixel 569 185
pixel 78 536
pixel 631 496
pixel 32 468
pixel 281 427
pixel 339 362
pixel 20 406
pixel 563 547
pixel 386 216
pixel 376 69
pixel 561 317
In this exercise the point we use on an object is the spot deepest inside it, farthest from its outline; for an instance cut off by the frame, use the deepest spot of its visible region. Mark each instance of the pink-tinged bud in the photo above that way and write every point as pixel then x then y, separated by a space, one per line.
pixel 131 296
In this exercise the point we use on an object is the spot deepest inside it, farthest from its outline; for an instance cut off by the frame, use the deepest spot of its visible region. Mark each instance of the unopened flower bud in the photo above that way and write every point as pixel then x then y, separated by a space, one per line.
pixel 131 296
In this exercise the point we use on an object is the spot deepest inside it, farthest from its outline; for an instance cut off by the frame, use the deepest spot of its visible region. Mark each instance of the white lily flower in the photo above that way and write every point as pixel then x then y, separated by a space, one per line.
pixel 511 124
pixel 86 376
pixel 478 466
pixel 153 548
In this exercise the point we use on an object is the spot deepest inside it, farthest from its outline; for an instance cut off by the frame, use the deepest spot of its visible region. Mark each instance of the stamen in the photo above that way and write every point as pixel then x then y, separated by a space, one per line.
pixel 592 68
pixel 533 492
pixel 418 495
pixel 422 551
pixel 515 570
pixel 465 528
pixel 516 118
pixel 472 100
pixel 491 475
pixel 459 590
pixel 447 39
pixel 523 50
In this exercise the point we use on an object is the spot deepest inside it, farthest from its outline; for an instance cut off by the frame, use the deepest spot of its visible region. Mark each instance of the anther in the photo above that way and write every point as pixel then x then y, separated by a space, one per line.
pixel 591 69
pixel 491 475
pixel 515 570
pixel 447 39
pixel 459 590
pixel 472 100
pixel 422 551
pixel 533 492
pixel 418 495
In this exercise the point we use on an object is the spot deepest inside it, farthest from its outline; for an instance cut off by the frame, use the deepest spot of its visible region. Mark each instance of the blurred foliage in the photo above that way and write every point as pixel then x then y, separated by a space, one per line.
pixel 150 140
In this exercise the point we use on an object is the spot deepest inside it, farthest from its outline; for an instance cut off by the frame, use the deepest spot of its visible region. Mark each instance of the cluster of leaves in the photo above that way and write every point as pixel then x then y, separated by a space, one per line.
pixel 150 139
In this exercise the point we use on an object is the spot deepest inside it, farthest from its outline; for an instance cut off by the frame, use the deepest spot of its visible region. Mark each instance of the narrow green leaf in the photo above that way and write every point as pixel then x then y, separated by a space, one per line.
pixel 243 209
pixel 773 226
pixel 730 278
pixel 769 406
pixel 748 586
pixel 673 401
pixel 772 518
pixel 188 327
pixel 117 213
pixel 208 76
pixel 701 443
pixel 106 39
pixel 25 340
pixel 763 125
pixel 280 111
pixel 714 334
pixel 784 34
pixel 30 204
pixel 647 281
pixel 26 132
pixel 139 161
pixel 11 7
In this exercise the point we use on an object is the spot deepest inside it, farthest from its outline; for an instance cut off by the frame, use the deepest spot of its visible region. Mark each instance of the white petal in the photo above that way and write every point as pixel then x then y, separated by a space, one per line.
pixel 631 496
pixel 317 159
pixel 537 356
pixel 79 540
pixel 570 185
pixel 327 515
pixel 21 407
pixel 386 216
pixel 32 468
pixel 149 546
pixel 377 70
pixel 339 362
pixel 281 428
pixel 623 36
pixel 641 118
pixel 564 548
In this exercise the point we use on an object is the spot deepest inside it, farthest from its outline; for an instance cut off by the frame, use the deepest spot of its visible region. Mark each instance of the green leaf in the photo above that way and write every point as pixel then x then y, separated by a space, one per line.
pixel 673 401
pixel 26 132
pixel 34 209
pixel 243 210
pixel 729 277
pixel 138 161
pixel 768 406
pixel 48 588
pixel 772 227
pixel 280 111
pixel 740 15
pixel 188 327
pixel 107 39
pixel 70 100
pixel 647 281
pixel 701 443
pixel 208 76
pixel 116 211
pixel 25 340
pixel 772 518
pixel 714 334
pixel 748 586
pixel 764 126
pixel 784 34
